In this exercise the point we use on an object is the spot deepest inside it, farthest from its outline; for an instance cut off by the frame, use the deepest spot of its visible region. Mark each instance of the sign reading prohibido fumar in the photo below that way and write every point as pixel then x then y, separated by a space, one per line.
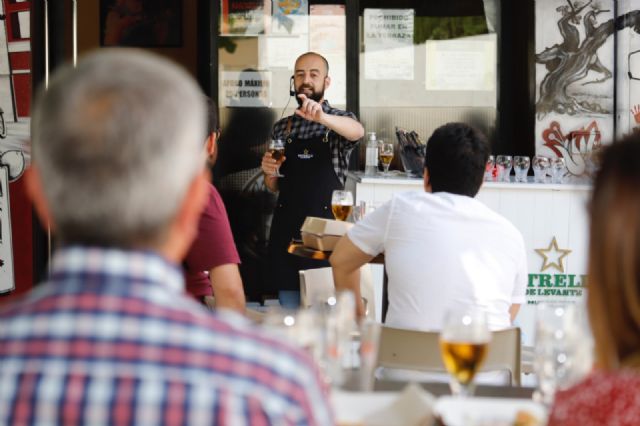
pixel 388 44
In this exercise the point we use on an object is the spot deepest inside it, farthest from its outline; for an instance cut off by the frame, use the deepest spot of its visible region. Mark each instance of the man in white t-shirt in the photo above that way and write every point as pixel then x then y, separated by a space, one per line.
pixel 443 248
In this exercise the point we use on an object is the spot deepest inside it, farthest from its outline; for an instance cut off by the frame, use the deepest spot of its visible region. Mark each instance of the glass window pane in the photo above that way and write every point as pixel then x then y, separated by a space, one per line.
pixel 258 44
pixel 419 70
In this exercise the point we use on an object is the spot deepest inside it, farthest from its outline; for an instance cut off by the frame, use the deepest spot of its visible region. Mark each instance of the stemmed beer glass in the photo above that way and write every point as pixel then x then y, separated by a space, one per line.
pixel 276 148
pixel 464 343
pixel 386 155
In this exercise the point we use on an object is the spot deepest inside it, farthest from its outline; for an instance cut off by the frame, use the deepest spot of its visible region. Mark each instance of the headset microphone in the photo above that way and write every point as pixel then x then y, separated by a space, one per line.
pixel 292 89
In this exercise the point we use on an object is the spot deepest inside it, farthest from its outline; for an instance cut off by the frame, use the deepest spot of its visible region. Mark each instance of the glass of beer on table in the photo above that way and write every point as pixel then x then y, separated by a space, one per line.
pixel 464 343
pixel 386 155
pixel 276 148
pixel 341 204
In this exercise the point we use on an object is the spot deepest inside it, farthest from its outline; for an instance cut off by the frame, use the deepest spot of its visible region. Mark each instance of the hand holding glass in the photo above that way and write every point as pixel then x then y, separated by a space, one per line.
pixel 464 343
pixel 341 204
pixel 276 148
pixel 386 155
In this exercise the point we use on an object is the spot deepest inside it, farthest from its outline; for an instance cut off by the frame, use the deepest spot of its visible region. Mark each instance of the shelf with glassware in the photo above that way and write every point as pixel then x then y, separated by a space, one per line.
pixel 552 218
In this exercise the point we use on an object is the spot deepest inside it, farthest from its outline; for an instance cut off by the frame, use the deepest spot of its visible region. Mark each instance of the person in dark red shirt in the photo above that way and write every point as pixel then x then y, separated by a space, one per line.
pixel 211 265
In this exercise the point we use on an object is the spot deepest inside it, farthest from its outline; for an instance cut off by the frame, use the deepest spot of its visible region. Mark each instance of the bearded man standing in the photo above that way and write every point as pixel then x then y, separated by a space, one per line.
pixel 318 141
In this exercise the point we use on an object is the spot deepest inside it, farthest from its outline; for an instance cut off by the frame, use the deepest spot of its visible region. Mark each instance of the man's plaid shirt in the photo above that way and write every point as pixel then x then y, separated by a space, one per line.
pixel 112 339
pixel 304 129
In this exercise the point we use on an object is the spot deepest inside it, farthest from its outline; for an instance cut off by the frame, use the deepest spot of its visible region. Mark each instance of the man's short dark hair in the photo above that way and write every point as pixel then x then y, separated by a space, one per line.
pixel 456 158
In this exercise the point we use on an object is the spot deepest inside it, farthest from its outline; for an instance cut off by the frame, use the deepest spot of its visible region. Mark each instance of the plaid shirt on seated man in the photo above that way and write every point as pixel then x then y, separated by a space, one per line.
pixel 111 338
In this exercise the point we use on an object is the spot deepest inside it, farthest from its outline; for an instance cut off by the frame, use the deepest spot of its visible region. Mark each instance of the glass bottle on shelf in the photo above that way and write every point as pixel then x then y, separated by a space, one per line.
pixel 371 163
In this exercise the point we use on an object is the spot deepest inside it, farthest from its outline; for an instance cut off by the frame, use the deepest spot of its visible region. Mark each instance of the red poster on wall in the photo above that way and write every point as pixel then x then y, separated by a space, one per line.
pixel 16 232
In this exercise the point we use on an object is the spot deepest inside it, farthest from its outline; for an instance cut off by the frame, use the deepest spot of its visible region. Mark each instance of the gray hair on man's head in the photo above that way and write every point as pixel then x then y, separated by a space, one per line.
pixel 117 141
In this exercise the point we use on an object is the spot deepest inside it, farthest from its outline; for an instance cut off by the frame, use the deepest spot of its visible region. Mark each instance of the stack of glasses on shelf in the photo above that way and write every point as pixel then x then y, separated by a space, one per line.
pixel 499 168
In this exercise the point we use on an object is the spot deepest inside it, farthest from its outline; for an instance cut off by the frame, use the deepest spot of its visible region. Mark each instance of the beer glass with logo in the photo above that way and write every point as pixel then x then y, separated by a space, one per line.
pixel 276 148
pixel 540 166
pixel 464 343
pixel 504 164
pixel 341 204
pixel 521 166
pixel 386 155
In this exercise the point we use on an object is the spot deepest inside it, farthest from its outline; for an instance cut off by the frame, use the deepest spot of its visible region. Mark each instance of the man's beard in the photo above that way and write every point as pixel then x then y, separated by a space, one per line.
pixel 315 95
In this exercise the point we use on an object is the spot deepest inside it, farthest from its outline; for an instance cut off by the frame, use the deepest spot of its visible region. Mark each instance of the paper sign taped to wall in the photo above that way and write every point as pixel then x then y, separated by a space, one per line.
pixel 245 88
pixel 388 44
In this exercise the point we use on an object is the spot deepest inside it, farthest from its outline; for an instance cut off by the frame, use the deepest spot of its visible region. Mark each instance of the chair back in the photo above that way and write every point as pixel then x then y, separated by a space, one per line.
pixel 317 284
pixel 420 350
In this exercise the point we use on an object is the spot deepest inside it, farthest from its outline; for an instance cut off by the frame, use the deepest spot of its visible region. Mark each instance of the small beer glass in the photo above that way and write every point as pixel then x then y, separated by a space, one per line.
pixel 540 165
pixel 521 167
pixel 504 164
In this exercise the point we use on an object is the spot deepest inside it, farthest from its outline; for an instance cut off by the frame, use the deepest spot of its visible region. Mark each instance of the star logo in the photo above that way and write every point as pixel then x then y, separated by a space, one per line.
pixel 553 256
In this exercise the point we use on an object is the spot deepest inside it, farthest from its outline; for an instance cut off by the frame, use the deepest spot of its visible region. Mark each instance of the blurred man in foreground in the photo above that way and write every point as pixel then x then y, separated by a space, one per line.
pixel 111 338
pixel 443 248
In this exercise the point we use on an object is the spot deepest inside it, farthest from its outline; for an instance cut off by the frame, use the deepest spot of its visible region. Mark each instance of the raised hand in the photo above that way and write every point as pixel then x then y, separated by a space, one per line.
pixel 635 110
pixel 310 109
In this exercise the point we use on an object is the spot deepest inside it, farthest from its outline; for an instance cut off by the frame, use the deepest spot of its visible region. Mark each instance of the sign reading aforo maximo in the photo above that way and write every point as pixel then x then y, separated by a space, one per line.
pixel 552 283
pixel 245 89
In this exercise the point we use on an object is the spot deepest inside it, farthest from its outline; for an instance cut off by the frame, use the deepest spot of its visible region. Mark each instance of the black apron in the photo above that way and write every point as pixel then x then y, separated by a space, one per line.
pixel 305 190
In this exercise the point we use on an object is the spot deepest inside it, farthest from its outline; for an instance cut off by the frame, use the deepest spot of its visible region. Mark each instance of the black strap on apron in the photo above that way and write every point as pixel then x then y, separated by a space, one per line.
pixel 305 190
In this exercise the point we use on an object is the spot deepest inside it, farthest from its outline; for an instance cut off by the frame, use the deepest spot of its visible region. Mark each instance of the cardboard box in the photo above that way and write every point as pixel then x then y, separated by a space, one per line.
pixel 323 234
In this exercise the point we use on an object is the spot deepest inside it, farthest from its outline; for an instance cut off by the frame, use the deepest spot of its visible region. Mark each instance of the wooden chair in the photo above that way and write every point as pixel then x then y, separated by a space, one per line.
pixel 420 350
pixel 317 284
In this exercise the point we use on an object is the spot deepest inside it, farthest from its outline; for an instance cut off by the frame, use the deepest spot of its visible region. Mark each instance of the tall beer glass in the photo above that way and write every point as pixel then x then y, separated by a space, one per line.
pixel 341 204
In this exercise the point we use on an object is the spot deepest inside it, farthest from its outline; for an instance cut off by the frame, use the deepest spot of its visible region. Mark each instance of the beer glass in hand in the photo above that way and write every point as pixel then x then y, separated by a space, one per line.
pixel 464 343
pixel 276 148
pixel 386 155
pixel 341 204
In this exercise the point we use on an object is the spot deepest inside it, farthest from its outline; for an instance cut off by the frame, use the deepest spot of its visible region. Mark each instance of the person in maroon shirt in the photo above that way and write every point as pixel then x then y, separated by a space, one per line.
pixel 211 265
pixel 609 395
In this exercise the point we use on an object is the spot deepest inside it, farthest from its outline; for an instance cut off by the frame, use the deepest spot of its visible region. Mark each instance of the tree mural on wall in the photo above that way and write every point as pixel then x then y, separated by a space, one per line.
pixel 571 60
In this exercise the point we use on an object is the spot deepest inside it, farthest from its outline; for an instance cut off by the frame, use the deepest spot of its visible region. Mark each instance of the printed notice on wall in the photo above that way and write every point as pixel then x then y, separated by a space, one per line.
pixel 388 44
pixel 245 88
pixel 463 64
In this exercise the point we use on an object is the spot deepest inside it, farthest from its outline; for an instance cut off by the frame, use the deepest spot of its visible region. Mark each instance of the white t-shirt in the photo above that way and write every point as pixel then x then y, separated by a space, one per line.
pixel 444 251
